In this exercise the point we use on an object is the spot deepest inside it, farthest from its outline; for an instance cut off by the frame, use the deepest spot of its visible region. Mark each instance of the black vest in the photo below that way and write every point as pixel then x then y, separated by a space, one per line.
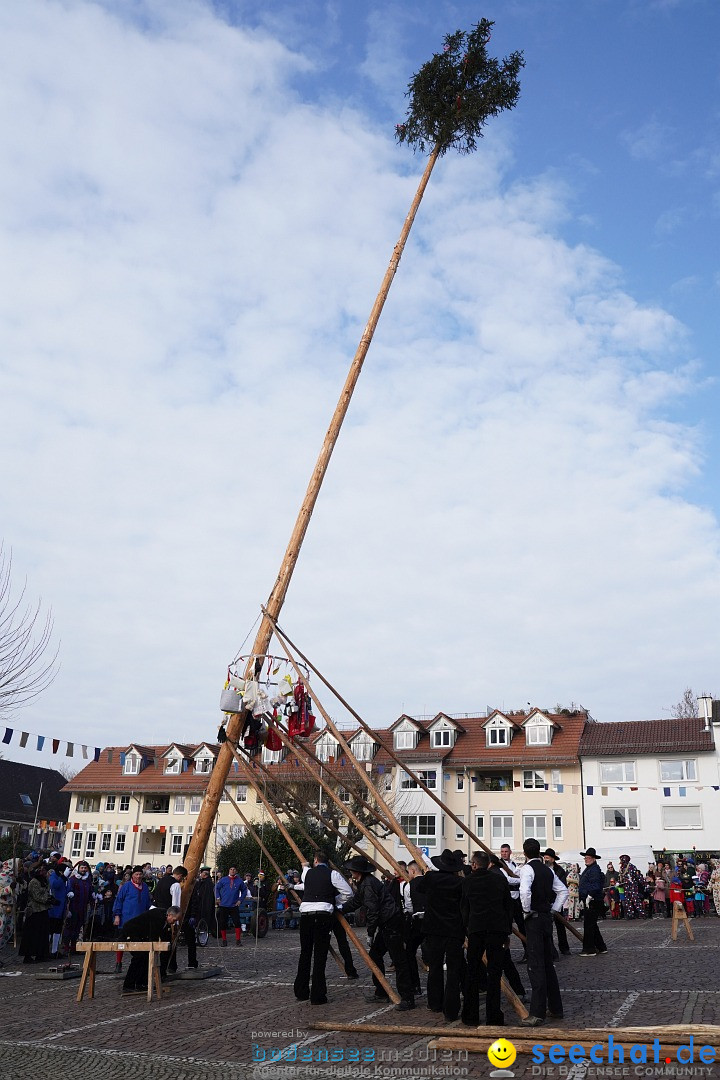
pixel 542 894
pixel 319 889
pixel 162 897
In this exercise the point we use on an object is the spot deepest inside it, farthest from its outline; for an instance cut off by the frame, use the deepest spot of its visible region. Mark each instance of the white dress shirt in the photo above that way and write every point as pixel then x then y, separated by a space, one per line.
pixel 344 893
pixel 527 876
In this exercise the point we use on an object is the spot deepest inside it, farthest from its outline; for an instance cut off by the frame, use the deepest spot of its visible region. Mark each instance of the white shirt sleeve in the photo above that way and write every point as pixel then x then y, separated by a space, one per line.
pixel 176 893
pixel 527 876
pixel 344 890
pixel 561 893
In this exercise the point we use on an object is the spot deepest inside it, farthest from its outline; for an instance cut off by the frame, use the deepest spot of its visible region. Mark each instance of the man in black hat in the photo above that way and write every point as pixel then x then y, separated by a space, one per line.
pixel 550 857
pixel 321 887
pixel 444 932
pixel 591 890
pixel 384 929
pixel 156 924
pixel 541 895
pixel 487 912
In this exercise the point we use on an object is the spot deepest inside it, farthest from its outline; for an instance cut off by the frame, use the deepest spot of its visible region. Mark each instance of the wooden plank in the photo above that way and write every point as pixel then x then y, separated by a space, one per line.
pixel 673 1035
pixel 120 946
pixel 85 972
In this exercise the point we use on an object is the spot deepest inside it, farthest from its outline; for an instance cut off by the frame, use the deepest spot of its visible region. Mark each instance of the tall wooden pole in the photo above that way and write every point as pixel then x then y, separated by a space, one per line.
pixel 216 783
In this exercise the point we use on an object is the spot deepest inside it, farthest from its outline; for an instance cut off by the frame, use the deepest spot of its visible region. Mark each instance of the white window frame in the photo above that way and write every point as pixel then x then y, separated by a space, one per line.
pixel 459 833
pixel 90 845
pixel 405 739
pixel 421 837
pixel 556 779
pixel 124 805
pixel 531 820
pixel 629 771
pixel 76 849
pixel 326 747
pixel 627 812
pixel 667 814
pixel 686 778
pixel 179 804
pixel 494 731
pixel 460 781
pixel 272 757
pixel 502 834
pixel 442 737
pixel 109 804
pixel 344 795
pixel 176 844
pixel 106 841
pixel 203 765
pixel 132 764
pixel 173 766
pixel 533 731
pixel 195 804
pixel 428 777
pixel 242 793
pixel 557 825
pixel 480 826
pixel 120 838
pixel 533 780
pixel 363 748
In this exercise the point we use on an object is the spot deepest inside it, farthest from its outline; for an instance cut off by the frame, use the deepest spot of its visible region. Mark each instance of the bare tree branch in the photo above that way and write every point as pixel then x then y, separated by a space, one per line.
pixel 25 639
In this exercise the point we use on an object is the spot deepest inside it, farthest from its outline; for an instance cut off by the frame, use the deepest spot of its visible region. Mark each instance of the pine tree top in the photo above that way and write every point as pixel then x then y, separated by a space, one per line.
pixel 453 94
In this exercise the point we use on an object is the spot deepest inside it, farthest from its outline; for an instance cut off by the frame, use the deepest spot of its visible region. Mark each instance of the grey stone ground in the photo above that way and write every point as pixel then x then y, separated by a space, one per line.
pixel 205 1029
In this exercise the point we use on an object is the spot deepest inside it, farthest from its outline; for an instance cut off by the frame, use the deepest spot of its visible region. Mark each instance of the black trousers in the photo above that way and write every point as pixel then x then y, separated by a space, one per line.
pixel 315 930
pixel 136 977
pixel 343 946
pixel 413 941
pixel 592 938
pixel 168 961
pixel 485 976
pixel 545 991
pixel 561 936
pixel 443 986
pixel 390 939
pixel 519 919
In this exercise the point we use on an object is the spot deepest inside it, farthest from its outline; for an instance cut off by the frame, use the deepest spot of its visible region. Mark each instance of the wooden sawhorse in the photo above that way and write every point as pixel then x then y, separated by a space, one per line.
pixel 679 915
pixel 92 948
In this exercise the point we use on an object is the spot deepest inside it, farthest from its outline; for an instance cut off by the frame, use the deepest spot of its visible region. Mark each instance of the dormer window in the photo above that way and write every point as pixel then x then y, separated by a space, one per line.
pixel 172 766
pixel 442 737
pixel 132 765
pixel 363 749
pixel 497 733
pixel 326 748
pixel 272 757
pixel 404 739
pixel 538 734
pixel 203 765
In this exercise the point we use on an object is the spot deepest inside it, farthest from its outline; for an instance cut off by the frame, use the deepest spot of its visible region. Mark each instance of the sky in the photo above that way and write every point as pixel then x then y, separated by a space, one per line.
pixel 198 201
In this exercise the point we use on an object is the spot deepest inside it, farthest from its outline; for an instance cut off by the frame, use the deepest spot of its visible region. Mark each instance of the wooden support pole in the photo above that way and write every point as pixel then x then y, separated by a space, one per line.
pixel 348 929
pixel 362 773
pixel 388 750
pixel 216 783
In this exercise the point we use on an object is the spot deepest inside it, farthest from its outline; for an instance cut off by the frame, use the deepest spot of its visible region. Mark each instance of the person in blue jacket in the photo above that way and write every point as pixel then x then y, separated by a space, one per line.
pixel 58 884
pixel 133 898
pixel 592 894
pixel 230 892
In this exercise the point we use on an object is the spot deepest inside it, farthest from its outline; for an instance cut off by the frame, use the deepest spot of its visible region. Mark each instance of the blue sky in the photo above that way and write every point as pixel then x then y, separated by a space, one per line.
pixel 198 204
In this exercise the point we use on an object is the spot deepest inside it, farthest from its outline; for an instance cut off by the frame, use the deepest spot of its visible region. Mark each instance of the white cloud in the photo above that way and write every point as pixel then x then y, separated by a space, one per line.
pixel 191 254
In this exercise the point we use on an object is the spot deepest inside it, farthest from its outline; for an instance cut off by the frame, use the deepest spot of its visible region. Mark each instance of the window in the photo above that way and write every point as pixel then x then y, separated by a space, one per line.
pixel 617 772
pixel 120 842
pixel 534 780
pixel 681 817
pixel 535 825
pixel 224 796
pixel 109 802
pixel 176 846
pixel 241 793
pixel 622 817
pixel 428 777
pixel 88 803
pixel 557 827
pixel 124 804
pixel 460 781
pixel 172 766
pixel 132 765
pixel 497 781
pixel 105 841
pixel 76 850
pixel 480 825
pixel 501 827
pixel 179 804
pixel 404 740
pixel 344 795
pixel 538 734
pixel 90 845
pixel 272 757
pixel 203 765
pixel 195 804
pixel 498 735
pixel 363 749
pixel 26 800
pixel 326 748
pixel 442 737
pixel 678 770
pixel 157 804
pixel 420 828
pixel 460 833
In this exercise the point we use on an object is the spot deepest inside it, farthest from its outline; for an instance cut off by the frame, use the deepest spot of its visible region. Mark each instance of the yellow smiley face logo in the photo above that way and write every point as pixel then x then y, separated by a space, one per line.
pixel 502 1053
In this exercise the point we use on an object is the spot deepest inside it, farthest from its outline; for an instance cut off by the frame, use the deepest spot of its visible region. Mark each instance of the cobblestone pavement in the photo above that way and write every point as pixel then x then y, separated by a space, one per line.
pixel 221 1026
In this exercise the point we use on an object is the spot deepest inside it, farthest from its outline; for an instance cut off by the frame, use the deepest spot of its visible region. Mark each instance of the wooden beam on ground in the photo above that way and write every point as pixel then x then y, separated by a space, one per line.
pixel 524 1043
pixel 670 1035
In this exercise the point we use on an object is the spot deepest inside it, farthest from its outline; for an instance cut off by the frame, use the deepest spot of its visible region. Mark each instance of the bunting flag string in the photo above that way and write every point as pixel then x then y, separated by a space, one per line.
pixel 24 737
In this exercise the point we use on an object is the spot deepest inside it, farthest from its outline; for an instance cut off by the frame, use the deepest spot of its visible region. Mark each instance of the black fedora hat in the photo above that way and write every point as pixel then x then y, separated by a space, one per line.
pixel 591 852
pixel 360 865
pixel 551 852
pixel 448 861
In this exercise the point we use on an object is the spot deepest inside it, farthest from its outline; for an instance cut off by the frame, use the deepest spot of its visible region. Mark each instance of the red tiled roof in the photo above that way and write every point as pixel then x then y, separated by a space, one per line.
pixel 108 776
pixel 645 737
pixel 472 748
